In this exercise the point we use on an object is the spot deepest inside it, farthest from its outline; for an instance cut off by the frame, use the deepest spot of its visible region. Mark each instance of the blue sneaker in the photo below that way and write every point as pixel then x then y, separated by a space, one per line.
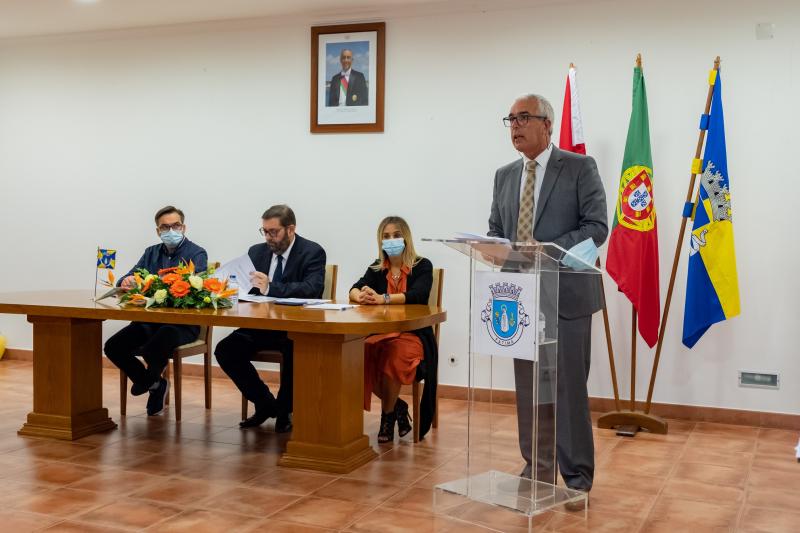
pixel 158 396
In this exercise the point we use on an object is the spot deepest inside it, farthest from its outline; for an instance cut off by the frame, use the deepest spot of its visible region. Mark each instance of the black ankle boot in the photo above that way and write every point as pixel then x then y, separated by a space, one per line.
pixel 386 433
pixel 403 418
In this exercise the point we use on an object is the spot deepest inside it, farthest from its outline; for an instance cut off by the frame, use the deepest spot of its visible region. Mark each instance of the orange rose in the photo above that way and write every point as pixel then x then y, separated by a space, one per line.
pixel 179 288
pixel 212 284
pixel 170 278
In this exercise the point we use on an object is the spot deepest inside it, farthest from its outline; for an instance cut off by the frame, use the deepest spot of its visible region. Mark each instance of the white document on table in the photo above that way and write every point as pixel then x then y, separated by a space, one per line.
pixel 241 267
pixel 256 298
pixel 331 306
pixel 300 301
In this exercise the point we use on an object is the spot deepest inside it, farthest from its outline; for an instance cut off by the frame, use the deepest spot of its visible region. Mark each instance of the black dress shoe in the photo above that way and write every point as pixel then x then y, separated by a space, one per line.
pixel 137 389
pixel 258 418
pixel 283 424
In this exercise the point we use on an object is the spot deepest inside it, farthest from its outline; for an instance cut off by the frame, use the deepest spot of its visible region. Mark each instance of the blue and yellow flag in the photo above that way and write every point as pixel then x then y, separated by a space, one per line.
pixel 712 286
pixel 106 258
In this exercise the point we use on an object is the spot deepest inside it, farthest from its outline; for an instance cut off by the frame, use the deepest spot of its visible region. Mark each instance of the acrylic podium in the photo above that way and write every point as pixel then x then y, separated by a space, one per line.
pixel 513 340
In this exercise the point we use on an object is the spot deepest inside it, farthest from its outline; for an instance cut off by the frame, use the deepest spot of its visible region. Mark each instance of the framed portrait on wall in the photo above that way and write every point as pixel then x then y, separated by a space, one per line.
pixel 347 73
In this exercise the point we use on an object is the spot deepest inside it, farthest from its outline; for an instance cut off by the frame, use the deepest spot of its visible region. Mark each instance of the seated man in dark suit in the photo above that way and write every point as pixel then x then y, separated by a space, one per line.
pixel 287 266
pixel 156 342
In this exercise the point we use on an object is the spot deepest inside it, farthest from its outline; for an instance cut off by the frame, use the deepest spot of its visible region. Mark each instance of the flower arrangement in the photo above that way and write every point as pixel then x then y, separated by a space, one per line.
pixel 178 286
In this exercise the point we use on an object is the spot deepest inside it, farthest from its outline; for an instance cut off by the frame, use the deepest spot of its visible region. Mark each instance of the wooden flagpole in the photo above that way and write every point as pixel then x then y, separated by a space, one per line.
pixel 608 342
pixel 679 247
pixel 633 358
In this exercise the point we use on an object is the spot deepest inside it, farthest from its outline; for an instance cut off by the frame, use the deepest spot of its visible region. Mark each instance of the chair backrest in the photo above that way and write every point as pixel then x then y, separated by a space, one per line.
pixel 435 298
pixel 331 273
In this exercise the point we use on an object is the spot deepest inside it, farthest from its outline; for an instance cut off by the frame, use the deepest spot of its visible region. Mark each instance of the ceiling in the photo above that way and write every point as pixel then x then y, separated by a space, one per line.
pixel 27 18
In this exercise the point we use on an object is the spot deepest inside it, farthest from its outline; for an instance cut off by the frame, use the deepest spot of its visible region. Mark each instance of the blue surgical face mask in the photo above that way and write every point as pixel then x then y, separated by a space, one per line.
pixel 581 255
pixel 393 247
pixel 171 238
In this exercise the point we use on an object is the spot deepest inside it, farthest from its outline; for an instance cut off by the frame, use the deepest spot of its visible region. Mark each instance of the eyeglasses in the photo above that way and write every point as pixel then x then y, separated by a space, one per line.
pixel 166 227
pixel 271 232
pixel 520 119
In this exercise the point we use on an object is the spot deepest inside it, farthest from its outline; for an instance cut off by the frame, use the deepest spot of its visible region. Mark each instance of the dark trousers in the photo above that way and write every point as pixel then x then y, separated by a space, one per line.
pixel 233 355
pixel 574 441
pixel 154 342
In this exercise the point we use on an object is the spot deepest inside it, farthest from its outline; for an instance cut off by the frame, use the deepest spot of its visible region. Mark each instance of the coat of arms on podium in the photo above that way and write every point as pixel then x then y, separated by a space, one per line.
pixel 504 315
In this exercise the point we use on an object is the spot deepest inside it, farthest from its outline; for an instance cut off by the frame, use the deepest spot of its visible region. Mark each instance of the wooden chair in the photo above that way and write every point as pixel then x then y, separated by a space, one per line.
pixel 416 390
pixel 201 346
pixel 274 356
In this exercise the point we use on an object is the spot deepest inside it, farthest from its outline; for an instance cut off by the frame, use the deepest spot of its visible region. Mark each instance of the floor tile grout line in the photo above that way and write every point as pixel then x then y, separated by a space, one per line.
pixel 643 521
pixel 746 491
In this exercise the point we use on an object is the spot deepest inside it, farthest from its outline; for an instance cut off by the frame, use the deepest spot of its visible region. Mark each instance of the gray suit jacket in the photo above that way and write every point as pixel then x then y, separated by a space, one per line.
pixel 571 208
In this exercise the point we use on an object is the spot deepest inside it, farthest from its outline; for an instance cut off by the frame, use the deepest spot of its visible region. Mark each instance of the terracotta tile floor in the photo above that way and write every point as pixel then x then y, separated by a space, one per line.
pixel 205 474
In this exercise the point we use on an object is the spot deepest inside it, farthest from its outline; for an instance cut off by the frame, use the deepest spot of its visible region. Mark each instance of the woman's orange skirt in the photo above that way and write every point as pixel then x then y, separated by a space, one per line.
pixel 396 355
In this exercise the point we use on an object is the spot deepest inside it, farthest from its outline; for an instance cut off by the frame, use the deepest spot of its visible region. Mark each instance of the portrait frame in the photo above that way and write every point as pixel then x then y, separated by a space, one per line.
pixel 362 111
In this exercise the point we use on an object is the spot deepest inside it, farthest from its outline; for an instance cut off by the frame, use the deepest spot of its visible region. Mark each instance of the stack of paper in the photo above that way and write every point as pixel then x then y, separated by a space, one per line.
pixel 480 238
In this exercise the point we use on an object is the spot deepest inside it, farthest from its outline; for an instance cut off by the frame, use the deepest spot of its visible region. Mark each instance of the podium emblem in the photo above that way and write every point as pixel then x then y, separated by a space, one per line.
pixel 504 315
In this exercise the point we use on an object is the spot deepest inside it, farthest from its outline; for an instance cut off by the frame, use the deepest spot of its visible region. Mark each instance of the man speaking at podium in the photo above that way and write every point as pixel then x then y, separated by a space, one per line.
pixel 550 195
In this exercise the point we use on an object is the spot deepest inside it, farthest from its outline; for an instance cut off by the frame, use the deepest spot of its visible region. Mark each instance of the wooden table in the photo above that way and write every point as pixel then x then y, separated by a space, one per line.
pixel 328 366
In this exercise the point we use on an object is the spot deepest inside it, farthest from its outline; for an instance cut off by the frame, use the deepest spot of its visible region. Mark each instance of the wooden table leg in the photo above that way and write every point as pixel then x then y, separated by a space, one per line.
pixel 328 404
pixel 67 379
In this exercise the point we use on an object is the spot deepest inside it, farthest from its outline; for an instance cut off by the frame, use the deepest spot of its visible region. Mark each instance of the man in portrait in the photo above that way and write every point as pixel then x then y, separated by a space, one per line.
pixel 348 87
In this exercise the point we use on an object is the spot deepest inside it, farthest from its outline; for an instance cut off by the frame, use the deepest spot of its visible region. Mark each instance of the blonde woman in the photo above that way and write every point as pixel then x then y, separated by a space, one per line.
pixel 399 276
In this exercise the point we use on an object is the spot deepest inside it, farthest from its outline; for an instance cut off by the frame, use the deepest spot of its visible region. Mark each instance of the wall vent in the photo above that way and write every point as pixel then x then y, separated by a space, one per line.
pixel 761 380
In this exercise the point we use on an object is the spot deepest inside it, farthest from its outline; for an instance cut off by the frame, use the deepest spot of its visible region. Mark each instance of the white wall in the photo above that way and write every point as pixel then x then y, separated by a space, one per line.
pixel 99 131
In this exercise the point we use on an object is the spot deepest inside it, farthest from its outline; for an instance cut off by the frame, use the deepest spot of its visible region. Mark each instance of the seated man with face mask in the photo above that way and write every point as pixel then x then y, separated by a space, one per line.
pixel 156 342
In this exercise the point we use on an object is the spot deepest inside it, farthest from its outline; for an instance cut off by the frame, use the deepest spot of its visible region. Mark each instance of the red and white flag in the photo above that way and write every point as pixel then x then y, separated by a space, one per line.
pixel 571 138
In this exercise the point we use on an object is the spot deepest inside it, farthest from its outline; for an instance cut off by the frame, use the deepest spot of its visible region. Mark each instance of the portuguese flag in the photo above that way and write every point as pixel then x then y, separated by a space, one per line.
pixel 632 260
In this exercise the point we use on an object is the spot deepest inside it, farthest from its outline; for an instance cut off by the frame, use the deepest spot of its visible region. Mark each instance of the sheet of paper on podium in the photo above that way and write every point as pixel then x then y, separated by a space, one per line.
pixel 481 238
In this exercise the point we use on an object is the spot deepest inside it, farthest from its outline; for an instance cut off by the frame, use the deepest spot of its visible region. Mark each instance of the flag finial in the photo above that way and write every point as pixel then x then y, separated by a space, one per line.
pixel 638 60
pixel 572 65
pixel 716 63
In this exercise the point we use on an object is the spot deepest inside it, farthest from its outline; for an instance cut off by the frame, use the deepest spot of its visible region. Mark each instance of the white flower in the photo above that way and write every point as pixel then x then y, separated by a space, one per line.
pixel 196 282
pixel 149 277
pixel 160 296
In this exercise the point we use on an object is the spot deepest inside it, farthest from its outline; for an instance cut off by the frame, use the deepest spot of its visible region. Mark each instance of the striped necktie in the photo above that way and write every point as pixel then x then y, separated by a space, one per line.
pixel 527 205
